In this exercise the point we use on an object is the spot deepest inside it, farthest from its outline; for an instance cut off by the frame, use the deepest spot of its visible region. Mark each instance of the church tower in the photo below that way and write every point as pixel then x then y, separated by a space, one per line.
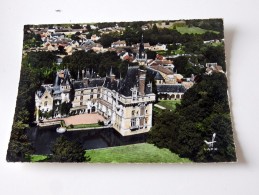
pixel 141 55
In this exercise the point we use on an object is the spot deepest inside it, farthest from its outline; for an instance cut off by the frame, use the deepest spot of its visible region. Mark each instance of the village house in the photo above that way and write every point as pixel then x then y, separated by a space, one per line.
pixel 158 47
pixel 213 67
pixel 95 37
pixel 118 44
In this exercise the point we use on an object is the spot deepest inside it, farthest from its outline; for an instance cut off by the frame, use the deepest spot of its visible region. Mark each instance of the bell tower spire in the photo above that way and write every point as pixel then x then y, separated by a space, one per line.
pixel 141 48
pixel 142 56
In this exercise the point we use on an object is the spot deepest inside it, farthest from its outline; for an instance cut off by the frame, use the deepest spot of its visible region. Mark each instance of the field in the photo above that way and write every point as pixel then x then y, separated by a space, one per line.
pixel 136 153
pixel 169 104
pixel 193 30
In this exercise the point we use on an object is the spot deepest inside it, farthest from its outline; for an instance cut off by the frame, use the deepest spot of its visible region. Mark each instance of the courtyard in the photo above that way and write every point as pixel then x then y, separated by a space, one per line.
pixel 83 119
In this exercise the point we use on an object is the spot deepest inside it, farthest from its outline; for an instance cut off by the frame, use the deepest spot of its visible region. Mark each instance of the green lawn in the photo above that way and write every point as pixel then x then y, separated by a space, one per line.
pixel 169 104
pixel 193 30
pixel 38 158
pixel 216 44
pixel 83 126
pixel 136 153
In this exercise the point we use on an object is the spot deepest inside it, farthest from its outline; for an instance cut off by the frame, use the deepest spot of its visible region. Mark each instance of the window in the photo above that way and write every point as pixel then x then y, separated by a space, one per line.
pixel 91 97
pixel 81 97
pixel 46 97
pixel 45 103
pixel 133 112
pixel 133 122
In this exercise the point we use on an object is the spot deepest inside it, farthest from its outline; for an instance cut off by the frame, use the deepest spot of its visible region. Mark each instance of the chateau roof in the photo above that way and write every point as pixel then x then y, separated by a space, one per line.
pixel 42 90
pixel 80 85
pixel 112 85
pixel 130 81
pixel 92 83
pixel 96 82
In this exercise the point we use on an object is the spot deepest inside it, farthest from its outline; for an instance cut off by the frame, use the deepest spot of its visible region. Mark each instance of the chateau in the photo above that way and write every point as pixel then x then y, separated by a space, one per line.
pixel 126 104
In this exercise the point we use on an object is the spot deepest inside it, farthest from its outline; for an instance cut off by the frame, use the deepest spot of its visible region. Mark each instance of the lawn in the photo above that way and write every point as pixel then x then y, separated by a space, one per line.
pixel 136 153
pixel 216 44
pixel 83 126
pixel 38 158
pixel 169 104
pixel 193 30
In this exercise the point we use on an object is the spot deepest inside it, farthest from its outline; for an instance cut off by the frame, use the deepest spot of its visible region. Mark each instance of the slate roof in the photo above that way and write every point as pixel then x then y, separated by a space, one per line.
pixel 96 82
pixel 92 83
pixel 129 81
pixel 158 76
pixel 112 85
pixel 80 85
pixel 42 90
pixel 175 88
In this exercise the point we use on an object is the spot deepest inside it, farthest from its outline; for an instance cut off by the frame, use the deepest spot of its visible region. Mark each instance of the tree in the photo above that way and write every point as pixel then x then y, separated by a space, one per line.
pixel 19 148
pixel 75 37
pixel 107 39
pixel 64 150
pixel 88 27
pixel 155 29
pixel 65 108
pixel 204 110
pixel 151 54
pixel 61 49
pixel 38 40
pixel 181 65
pixel 216 54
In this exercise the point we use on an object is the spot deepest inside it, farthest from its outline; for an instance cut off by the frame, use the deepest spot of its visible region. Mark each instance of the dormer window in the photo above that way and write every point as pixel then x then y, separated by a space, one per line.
pixel 134 93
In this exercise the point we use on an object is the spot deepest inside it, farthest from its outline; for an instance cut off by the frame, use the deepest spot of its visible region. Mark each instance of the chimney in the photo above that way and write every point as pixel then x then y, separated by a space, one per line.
pixel 83 73
pixel 112 76
pixel 142 80
pixel 86 81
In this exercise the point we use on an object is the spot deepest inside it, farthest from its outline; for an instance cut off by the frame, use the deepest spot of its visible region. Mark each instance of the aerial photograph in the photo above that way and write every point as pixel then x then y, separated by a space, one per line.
pixel 123 92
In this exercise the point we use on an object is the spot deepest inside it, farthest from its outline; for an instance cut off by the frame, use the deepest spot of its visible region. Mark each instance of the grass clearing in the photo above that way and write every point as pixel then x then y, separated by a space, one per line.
pixel 169 104
pixel 135 153
pixel 193 30
pixel 38 158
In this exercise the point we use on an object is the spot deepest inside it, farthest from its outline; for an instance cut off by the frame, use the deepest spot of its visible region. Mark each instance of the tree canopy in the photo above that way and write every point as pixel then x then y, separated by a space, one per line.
pixel 204 110
pixel 64 150
pixel 100 63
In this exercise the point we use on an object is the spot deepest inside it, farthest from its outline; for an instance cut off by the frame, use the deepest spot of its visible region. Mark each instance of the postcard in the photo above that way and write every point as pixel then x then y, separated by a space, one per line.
pixel 123 92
